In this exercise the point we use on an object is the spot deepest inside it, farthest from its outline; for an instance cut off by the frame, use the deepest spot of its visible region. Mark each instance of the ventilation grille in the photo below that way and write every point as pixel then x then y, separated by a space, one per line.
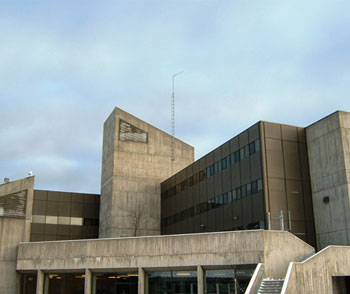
pixel 128 132
pixel 13 205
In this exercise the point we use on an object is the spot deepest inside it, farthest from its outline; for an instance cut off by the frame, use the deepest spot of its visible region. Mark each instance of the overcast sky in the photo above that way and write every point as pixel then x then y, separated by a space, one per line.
pixel 64 66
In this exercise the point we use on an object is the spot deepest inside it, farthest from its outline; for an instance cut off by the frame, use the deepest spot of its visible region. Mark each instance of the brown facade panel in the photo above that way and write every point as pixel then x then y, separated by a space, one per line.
pixel 258 207
pixel 289 133
pixel 272 130
pixel 254 132
pixel 243 139
pixel 291 160
pixel 255 167
pixel 245 171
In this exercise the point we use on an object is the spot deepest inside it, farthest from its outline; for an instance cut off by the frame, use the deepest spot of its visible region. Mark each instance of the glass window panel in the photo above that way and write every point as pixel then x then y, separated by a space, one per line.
pixel 238 193
pixel 184 282
pixel 237 156
pixel 234 195
pixel 68 283
pixel 224 163
pixel 242 154
pixel 28 282
pixel 246 151
pixel 244 191
pixel 225 198
pixel 252 148
pixel 254 187
pixel 257 145
pixel 228 161
pixel 229 197
pixel 249 189
pixel 115 283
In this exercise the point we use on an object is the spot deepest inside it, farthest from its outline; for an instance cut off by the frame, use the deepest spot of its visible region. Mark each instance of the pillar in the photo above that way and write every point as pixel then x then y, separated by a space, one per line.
pixel 40 282
pixel 141 282
pixel 200 280
pixel 87 283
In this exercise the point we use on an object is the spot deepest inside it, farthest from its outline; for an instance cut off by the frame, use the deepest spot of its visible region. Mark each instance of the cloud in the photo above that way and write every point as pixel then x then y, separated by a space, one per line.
pixel 65 65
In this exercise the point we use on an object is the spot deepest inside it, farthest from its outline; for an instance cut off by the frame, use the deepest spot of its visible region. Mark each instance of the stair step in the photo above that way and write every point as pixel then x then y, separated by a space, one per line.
pixel 270 286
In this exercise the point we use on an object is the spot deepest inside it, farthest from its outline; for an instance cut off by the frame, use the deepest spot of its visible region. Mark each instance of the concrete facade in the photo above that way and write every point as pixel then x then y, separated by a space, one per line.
pixel 136 159
pixel 320 273
pixel 208 250
pixel 328 143
pixel 14 228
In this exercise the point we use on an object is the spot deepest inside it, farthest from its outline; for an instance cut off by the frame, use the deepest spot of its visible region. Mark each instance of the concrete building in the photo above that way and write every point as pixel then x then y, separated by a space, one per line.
pixel 136 157
pixel 257 180
pixel 255 187
pixel 328 143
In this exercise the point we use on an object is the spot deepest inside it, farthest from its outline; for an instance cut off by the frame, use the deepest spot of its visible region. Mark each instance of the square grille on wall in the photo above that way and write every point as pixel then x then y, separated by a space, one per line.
pixel 13 205
pixel 128 132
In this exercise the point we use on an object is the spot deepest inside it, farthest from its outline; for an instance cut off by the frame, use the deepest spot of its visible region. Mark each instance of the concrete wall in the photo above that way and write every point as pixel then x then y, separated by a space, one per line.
pixel 314 275
pixel 328 143
pixel 275 249
pixel 131 176
pixel 280 248
pixel 13 230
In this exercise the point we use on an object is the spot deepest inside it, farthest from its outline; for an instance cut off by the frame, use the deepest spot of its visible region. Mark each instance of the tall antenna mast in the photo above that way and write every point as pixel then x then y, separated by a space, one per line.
pixel 173 118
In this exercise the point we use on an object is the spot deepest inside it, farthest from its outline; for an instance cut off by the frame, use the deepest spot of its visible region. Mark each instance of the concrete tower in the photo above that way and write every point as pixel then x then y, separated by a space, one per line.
pixel 328 142
pixel 136 158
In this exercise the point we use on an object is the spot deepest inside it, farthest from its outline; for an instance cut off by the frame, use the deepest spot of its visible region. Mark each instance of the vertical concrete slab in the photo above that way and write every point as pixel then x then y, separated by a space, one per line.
pixel 200 280
pixel 141 281
pixel 329 158
pixel 16 199
pixel 40 282
pixel 87 282
pixel 136 159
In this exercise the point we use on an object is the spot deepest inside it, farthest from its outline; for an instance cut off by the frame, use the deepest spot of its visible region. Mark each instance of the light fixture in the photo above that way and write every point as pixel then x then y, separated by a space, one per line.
pixel 326 199
pixel 183 274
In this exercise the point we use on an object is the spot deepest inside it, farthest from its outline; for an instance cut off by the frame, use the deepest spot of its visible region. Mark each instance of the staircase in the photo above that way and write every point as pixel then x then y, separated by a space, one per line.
pixel 270 286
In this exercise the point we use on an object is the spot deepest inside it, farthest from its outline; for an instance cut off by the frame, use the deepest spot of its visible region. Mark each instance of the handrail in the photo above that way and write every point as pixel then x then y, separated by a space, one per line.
pixel 256 279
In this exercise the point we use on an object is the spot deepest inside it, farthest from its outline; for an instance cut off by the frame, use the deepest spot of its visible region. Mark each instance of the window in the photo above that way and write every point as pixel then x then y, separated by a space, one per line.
pixel 217 167
pixel 252 148
pixel 238 193
pixel 249 189
pixel 257 145
pixel 244 191
pixel 212 170
pixel 237 156
pixel 246 151
pixel 224 163
pixel 202 175
pixel 254 187
pixel 228 160
pixel 234 195
pixel 229 197
pixel 225 198
pixel 242 153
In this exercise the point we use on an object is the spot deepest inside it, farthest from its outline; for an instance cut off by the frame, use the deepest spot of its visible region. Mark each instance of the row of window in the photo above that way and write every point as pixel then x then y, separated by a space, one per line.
pixel 215 168
pixel 215 202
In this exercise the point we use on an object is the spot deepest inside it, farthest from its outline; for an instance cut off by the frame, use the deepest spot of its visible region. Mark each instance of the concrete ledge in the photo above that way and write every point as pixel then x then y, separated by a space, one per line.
pixel 190 250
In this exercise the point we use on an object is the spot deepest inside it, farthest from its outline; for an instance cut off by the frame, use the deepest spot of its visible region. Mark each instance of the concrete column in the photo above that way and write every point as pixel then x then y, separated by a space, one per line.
pixel 87 284
pixel 200 280
pixel 40 282
pixel 141 283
